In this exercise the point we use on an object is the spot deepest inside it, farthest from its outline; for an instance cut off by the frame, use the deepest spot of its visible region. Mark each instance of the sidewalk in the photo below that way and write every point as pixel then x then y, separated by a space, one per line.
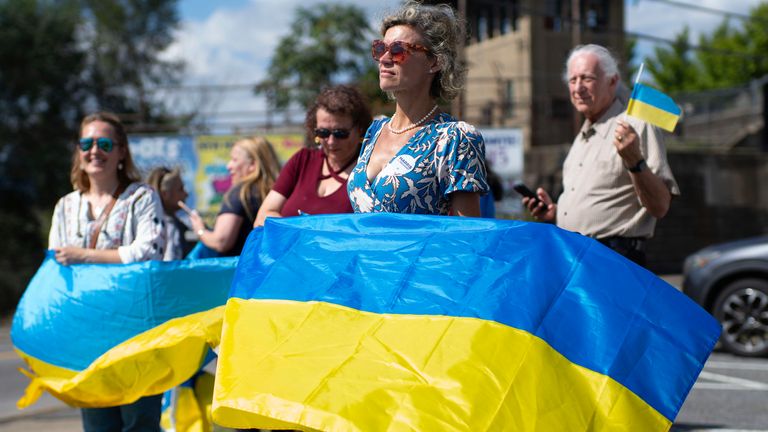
pixel 48 414
pixel 55 419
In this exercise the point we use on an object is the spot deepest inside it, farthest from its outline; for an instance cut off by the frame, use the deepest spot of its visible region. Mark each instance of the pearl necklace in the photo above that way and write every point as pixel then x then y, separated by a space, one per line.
pixel 414 125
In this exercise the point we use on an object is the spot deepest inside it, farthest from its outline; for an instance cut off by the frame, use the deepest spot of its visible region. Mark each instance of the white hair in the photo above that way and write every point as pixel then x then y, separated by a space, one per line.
pixel 607 61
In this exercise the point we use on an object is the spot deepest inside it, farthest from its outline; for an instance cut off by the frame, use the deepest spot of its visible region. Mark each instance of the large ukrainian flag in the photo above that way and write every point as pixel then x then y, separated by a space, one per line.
pixel 96 335
pixel 653 106
pixel 398 322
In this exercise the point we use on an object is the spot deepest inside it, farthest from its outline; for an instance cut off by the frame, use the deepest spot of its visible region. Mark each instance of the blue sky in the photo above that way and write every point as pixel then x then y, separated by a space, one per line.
pixel 199 10
pixel 231 41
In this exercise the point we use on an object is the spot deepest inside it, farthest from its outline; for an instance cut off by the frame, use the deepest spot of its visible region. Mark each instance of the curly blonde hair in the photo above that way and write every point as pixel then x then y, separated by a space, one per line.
pixel 443 32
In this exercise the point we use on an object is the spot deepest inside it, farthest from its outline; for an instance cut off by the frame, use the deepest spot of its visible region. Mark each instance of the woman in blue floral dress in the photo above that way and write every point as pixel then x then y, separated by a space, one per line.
pixel 420 160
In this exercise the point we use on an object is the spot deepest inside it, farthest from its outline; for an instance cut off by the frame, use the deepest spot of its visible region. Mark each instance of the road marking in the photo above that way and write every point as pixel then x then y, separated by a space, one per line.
pixel 739 366
pixel 721 386
pixel 722 430
pixel 733 381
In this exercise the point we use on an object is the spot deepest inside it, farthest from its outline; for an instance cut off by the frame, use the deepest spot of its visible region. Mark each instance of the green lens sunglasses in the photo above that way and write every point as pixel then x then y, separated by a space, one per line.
pixel 104 144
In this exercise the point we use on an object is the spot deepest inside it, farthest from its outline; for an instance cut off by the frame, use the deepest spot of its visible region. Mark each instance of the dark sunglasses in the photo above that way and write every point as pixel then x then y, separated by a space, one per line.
pixel 398 50
pixel 104 144
pixel 337 133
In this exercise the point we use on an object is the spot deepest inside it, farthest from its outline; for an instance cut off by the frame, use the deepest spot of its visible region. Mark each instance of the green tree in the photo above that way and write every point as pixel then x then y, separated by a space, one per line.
pixel 732 56
pixel 724 58
pixel 38 105
pixel 58 60
pixel 756 38
pixel 673 69
pixel 729 56
pixel 123 42
pixel 327 44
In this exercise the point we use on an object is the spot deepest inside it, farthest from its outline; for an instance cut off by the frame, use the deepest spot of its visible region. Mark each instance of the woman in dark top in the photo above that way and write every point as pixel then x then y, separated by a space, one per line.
pixel 314 180
pixel 253 166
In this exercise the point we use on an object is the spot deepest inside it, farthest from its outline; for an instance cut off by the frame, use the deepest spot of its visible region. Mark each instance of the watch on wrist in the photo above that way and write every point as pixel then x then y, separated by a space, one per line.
pixel 638 167
pixel 200 232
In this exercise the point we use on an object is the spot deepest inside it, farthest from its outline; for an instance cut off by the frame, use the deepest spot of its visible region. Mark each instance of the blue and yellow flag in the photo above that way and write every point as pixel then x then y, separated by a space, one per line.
pixel 402 322
pixel 97 335
pixel 654 107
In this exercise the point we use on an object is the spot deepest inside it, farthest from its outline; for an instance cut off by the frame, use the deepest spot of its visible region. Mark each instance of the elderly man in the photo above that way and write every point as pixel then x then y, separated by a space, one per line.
pixel 616 179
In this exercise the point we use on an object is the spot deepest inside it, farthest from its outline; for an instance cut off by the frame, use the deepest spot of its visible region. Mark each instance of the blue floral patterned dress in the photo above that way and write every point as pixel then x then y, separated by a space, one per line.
pixel 443 157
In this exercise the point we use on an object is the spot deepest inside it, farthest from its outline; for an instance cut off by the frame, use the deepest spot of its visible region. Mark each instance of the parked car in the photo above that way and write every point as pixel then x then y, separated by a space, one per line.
pixel 730 280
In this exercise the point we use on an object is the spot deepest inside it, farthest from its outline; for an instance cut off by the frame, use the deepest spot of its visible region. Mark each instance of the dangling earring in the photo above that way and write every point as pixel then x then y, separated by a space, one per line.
pixel 317 140
pixel 120 166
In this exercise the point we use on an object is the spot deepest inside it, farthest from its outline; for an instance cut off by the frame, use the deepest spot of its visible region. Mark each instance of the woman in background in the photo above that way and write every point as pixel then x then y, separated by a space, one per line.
pixel 109 218
pixel 168 183
pixel 314 181
pixel 253 166
pixel 420 160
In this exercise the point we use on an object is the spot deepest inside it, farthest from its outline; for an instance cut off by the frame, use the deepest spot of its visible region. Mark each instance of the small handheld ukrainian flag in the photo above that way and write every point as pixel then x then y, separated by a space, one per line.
pixel 653 106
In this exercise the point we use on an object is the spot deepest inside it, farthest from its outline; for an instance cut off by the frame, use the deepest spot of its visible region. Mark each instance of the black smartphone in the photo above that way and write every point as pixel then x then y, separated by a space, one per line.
pixel 525 191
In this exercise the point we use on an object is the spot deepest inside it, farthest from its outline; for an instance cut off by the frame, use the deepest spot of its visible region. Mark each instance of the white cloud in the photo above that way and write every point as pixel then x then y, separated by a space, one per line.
pixel 234 46
pixel 665 20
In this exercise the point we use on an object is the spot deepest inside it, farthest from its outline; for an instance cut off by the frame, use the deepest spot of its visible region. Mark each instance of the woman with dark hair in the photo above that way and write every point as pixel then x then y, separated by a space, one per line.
pixel 253 165
pixel 314 180
pixel 420 160
pixel 109 218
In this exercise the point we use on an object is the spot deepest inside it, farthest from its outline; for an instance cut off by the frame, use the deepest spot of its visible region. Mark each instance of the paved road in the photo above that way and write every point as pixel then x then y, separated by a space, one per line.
pixel 731 395
pixel 48 414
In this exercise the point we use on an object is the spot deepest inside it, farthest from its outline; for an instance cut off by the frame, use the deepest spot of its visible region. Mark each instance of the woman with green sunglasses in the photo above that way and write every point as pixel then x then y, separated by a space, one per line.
pixel 110 217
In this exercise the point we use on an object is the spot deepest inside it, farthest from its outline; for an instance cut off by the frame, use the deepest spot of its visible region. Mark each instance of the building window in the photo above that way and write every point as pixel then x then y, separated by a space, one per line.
pixel 505 26
pixel 553 19
pixel 508 18
pixel 596 15
pixel 515 15
pixel 482 27
pixel 508 107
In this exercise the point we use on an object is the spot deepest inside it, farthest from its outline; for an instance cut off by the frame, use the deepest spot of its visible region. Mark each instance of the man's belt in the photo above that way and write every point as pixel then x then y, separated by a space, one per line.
pixel 624 243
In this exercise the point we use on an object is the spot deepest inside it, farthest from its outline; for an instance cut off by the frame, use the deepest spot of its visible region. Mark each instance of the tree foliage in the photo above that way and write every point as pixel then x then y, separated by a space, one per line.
pixel 38 104
pixel 731 55
pixel 60 59
pixel 327 44
pixel 129 32
pixel 674 69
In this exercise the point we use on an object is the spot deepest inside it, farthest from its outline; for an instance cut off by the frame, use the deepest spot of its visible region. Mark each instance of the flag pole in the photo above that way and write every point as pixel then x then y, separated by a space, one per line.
pixel 637 81
pixel 639 73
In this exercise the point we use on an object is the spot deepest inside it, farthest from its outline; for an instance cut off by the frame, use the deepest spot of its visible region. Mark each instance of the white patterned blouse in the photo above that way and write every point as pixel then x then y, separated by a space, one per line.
pixel 135 226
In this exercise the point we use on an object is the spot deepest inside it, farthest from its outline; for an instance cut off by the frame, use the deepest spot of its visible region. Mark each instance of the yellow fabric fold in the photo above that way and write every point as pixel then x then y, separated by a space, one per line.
pixel 191 410
pixel 149 363
pixel 652 114
pixel 320 366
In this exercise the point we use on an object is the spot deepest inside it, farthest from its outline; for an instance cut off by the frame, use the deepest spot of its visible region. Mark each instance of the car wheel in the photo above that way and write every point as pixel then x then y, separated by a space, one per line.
pixel 742 309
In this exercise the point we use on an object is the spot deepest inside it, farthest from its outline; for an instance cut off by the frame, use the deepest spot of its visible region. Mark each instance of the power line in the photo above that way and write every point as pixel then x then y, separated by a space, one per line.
pixel 532 11
pixel 703 9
